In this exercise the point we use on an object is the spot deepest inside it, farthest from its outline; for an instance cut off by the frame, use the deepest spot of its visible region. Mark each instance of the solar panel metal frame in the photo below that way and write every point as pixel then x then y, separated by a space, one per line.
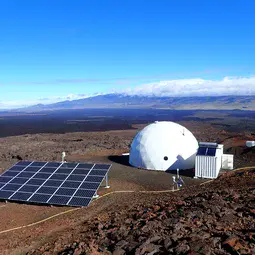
pixel 26 192
pixel 208 145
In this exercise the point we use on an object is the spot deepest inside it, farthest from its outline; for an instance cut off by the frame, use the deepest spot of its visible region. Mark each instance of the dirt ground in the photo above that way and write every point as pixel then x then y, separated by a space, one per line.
pixel 92 147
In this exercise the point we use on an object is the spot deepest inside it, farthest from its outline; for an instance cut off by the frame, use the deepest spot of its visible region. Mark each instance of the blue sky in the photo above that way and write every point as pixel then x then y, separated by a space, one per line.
pixel 52 49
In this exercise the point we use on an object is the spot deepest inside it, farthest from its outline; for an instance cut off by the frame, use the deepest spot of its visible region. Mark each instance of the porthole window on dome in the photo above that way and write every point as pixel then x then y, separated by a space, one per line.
pixel 165 158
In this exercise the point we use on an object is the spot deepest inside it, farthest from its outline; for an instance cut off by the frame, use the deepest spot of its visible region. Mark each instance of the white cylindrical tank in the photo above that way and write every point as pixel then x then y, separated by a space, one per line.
pixel 163 146
pixel 250 143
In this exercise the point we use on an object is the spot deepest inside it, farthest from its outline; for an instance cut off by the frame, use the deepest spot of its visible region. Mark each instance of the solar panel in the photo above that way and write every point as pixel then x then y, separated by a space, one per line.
pixel 17 180
pixel 11 187
pixel 85 166
pixel 38 164
pixel 21 196
pixel 79 201
pixel 17 168
pixel 28 188
pixel 201 151
pixel 23 163
pixel 102 166
pixel 71 184
pixel 204 151
pixel 89 185
pixel 94 178
pixel 70 165
pixel 47 170
pixel 211 152
pixel 12 174
pixel 98 172
pixel 59 200
pixel 39 198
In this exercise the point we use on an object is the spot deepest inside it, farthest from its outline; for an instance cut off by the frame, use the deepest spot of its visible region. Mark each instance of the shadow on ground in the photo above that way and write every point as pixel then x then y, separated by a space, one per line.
pixel 187 172
pixel 124 160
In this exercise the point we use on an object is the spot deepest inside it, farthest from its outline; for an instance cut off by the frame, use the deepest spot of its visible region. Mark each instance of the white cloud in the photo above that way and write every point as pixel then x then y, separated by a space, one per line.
pixel 173 88
pixel 197 87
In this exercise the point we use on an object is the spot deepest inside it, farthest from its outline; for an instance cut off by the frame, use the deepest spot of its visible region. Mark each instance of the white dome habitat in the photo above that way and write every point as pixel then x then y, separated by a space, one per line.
pixel 163 146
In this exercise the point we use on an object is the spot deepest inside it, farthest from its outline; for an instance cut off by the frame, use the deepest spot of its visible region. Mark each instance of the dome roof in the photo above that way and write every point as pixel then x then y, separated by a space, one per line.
pixel 163 146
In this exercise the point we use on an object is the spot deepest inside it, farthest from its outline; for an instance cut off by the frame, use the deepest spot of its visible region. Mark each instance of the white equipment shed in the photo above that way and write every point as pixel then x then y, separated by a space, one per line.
pixel 210 160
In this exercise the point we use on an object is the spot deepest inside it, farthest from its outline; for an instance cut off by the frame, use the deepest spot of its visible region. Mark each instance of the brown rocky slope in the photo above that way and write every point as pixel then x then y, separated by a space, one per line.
pixel 214 218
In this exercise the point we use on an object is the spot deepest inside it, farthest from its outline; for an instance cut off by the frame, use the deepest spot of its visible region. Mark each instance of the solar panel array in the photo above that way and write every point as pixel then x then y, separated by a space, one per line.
pixel 72 184
pixel 205 151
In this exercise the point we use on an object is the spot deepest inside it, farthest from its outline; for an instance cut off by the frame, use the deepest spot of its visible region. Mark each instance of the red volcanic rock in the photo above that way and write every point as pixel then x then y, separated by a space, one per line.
pixel 214 219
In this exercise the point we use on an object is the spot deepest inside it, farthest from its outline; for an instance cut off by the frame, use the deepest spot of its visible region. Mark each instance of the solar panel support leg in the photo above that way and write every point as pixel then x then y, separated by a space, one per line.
pixel 96 195
pixel 106 182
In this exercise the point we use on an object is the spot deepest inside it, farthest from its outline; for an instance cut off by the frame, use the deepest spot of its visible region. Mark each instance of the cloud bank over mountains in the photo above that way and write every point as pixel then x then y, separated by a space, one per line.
pixel 171 88
pixel 197 87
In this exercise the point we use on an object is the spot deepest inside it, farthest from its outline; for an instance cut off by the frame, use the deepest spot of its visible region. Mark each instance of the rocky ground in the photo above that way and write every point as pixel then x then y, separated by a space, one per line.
pixel 84 145
pixel 214 218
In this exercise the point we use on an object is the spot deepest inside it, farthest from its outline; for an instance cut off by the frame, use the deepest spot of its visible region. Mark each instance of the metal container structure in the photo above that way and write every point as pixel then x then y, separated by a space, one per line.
pixel 227 161
pixel 208 160
pixel 206 167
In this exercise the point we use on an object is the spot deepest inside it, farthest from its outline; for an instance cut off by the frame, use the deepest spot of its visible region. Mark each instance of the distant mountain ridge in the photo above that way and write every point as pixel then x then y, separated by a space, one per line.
pixel 126 101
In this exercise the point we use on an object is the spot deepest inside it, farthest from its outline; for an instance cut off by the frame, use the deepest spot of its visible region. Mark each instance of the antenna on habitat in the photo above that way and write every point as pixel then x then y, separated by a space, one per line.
pixel 63 157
